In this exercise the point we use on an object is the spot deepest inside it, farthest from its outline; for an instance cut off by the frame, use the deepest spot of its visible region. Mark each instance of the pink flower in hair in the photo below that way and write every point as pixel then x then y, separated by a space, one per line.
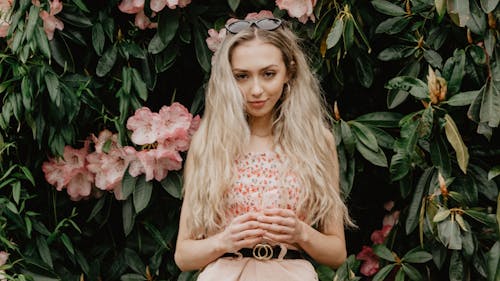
pixel 371 263
pixel 50 22
pixel 260 15
pixel 300 9
pixel 215 39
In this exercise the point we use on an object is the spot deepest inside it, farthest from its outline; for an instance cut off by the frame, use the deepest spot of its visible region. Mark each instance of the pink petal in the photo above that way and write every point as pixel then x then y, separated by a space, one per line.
pixel 175 121
pixel 4 256
pixel 131 6
pixel 157 5
pixel 80 185
pixel 143 123
pixel 260 15
pixel 55 7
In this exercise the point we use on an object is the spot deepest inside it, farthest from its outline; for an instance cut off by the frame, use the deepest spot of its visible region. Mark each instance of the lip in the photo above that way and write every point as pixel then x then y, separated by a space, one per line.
pixel 257 104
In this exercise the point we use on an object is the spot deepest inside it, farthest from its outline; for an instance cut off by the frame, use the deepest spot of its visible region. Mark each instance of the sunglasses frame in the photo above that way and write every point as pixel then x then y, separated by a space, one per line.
pixel 256 22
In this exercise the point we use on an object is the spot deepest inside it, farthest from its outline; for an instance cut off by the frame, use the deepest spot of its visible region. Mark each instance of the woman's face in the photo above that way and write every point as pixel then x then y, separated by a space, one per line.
pixel 261 73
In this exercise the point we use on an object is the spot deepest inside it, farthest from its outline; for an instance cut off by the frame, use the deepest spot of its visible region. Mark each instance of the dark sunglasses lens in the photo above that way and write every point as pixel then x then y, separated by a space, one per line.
pixel 268 24
pixel 238 26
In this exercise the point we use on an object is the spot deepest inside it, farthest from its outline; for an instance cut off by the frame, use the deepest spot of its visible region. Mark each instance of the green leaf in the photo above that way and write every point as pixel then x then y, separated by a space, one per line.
pixel 347 137
pixel 414 86
pixel 168 23
pixel 98 38
pixel 27 174
pixel 364 70
pixel 456 269
pixel 128 184
pixel 392 26
pixel 433 58
pixel 400 275
pixel 485 186
pixel 464 98
pixel 325 272
pixel 348 34
pixel 61 52
pixel 417 256
pixel 395 53
pixel 81 5
pixel 376 157
pixel 173 185
pixel 388 8
pixel 67 243
pixel 439 155
pixel 32 22
pixel 364 135
pixel 97 208
pixel 107 61
pixel 16 191
pixel 42 42
pixel 43 250
pixel 412 272
pixel 454 71
pixel 477 22
pixel 382 274
pixel 449 234
pixel 128 216
pixel 132 277
pixel 142 194
pixel 413 213
pixel 382 251
pixel 203 54
pixel 157 235
pixel 134 261
pixel 493 261
pixel 335 33
pixel 52 83
pixel 494 171
pixel 489 5
pixel 233 4
pixel 139 85
pixel 455 139
pixel 440 8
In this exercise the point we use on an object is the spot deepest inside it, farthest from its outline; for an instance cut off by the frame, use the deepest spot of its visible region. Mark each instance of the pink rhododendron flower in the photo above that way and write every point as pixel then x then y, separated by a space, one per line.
pixel 5 16
pixel 131 6
pixel 157 162
pixel 158 5
pixel 215 38
pixel 371 264
pixel 300 9
pixel 144 126
pixel 70 172
pixel 260 15
pixel 3 259
pixel 109 167
pixel 50 22
pixel 175 121
pixel 379 236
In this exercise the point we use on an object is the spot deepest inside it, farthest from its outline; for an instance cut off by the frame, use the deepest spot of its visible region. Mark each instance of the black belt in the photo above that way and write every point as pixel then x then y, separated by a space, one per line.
pixel 266 252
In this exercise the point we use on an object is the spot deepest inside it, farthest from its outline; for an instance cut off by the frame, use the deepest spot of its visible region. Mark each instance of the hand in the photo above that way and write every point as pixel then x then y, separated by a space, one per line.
pixel 282 226
pixel 242 232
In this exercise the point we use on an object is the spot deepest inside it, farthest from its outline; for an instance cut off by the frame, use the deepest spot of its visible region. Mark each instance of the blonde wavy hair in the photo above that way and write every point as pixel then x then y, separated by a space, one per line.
pixel 300 130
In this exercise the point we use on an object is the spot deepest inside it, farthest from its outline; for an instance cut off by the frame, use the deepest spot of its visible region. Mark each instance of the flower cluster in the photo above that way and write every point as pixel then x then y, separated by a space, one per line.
pixel 162 136
pixel 3 259
pixel 137 7
pixel 5 16
pixel 371 264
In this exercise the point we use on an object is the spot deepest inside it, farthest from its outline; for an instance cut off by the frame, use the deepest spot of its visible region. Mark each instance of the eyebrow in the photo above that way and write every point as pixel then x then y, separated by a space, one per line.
pixel 264 68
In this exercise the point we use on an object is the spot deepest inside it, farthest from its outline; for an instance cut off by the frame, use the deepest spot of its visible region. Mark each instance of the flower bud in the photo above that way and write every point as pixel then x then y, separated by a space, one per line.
pixel 442 185
pixel 437 87
pixel 336 113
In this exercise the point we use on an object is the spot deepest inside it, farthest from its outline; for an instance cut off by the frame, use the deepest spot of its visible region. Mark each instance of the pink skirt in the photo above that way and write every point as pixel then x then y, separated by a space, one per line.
pixel 250 269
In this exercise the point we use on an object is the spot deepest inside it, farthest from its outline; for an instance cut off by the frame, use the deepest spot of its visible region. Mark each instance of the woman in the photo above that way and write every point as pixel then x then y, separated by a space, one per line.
pixel 261 178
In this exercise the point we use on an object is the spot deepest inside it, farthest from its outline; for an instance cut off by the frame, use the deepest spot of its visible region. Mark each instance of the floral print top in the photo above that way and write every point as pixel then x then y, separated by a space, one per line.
pixel 261 183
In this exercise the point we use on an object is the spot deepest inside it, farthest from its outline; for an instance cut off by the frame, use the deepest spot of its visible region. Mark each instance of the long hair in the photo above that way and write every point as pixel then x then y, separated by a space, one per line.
pixel 300 130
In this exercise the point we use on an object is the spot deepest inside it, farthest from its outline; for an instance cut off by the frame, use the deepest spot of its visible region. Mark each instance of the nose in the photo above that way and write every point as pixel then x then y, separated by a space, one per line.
pixel 256 87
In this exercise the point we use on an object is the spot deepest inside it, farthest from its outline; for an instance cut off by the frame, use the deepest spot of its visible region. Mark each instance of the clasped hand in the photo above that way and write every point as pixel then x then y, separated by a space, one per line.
pixel 276 225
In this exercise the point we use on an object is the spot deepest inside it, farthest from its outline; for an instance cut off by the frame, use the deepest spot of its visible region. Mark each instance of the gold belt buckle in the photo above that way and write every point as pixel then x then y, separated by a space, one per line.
pixel 262 252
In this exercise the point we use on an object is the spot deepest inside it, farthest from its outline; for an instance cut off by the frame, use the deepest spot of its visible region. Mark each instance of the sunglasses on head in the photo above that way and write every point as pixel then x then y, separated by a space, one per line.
pixel 265 24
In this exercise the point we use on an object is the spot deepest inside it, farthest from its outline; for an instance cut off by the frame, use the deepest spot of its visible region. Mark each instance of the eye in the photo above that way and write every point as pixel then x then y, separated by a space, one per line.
pixel 240 76
pixel 269 74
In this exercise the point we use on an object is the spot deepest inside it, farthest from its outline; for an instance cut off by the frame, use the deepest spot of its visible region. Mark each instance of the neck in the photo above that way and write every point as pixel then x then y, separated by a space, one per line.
pixel 261 127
